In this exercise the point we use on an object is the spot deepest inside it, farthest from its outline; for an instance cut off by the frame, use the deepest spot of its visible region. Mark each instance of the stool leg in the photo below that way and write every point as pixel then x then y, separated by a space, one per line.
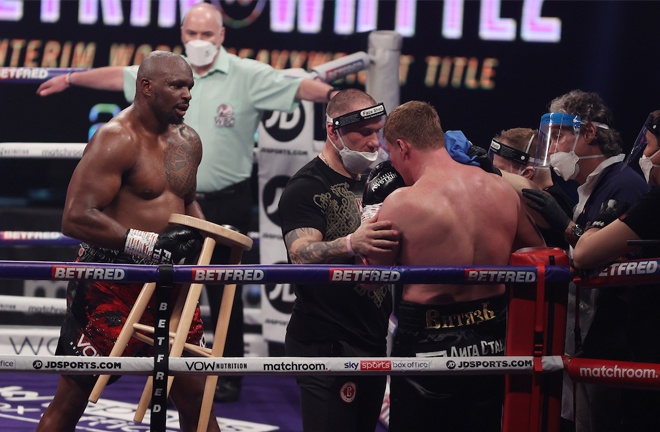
pixel 183 326
pixel 125 335
pixel 219 339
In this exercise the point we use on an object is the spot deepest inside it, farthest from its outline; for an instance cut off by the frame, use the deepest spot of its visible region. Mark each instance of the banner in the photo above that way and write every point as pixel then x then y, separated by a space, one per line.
pixel 286 143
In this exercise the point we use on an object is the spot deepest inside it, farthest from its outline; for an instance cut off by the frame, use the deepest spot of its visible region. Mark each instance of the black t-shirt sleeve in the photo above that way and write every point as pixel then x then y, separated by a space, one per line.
pixel 642 217
pixel 299 205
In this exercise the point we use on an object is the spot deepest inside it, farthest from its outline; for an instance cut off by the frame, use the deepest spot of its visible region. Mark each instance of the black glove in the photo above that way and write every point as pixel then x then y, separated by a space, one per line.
pixel 610 210
pixel 382 181
pixel 176 243
pixel 547 207
pixel 480 156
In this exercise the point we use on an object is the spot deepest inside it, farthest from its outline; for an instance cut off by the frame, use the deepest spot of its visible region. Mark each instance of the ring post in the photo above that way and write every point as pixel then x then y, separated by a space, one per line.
pixel 160 374
pixel 537 327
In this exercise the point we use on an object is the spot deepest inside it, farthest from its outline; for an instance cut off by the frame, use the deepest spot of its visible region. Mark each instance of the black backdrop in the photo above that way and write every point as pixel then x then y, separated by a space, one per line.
pixel 611 47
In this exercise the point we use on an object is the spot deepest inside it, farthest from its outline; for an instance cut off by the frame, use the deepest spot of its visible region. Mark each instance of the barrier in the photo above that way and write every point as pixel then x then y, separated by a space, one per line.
pixel 281 365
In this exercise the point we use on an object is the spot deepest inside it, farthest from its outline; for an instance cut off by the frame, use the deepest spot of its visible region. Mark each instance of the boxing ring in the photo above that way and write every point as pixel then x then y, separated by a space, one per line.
pixel 534 360
pixel 533 364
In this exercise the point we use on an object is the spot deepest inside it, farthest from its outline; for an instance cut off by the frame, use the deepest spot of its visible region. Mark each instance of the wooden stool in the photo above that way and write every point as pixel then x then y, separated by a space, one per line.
pixel 184 309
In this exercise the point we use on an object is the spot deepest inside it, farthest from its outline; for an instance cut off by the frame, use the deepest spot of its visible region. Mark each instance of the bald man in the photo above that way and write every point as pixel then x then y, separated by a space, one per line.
pixel 229 98
pixel 136 171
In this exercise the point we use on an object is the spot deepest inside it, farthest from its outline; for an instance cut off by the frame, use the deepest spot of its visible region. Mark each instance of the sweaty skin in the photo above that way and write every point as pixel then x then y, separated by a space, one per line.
pixel 456 215
pixel 137 169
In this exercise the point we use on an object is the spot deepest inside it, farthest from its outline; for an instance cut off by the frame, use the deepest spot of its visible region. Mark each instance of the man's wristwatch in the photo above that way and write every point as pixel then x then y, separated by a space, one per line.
pixel 577 231
pixel 572 233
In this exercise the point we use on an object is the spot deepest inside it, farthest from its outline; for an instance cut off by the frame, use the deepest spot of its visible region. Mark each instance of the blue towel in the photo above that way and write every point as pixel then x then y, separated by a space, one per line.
pixel 457 146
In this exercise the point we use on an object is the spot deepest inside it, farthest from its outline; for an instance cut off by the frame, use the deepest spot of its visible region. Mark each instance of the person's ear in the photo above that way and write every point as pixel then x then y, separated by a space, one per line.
pixel 222 35
pixel 589 133
pixel 331 132
pixel 403 147
pixel 145 85
pixel 528 172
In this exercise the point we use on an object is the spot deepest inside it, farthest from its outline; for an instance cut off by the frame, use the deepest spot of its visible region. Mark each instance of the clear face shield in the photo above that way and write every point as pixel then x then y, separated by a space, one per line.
pixel 558 136
pixel 639 154
pixel 363 122
pixel 509 159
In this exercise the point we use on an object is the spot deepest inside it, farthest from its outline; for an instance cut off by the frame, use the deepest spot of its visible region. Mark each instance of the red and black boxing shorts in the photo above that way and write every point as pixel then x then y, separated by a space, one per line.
pixel 96 312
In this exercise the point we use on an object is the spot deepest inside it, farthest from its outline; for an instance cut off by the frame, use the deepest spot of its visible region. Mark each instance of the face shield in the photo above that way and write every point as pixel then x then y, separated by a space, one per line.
pixel 637 155
pixel 502 154
pixel 363 122
pixel 558 132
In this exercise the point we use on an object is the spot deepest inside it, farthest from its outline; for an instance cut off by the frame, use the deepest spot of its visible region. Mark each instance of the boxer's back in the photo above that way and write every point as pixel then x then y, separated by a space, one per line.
pixel 457 216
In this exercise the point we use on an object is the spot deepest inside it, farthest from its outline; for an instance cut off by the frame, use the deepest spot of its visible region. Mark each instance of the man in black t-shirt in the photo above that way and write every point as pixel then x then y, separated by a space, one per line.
pixel 320 218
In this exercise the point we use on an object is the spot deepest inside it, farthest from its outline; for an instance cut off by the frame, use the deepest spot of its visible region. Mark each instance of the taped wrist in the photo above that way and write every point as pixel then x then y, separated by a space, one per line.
pixel 369 211
pixel 140 244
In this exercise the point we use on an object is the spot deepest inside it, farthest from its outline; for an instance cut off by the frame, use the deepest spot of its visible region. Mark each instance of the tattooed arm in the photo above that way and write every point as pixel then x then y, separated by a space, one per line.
pixel 306 245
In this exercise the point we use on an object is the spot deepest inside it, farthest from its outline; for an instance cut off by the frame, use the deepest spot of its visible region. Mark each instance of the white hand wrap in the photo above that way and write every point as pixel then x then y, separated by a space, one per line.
pixel 140 244
pixel 369 211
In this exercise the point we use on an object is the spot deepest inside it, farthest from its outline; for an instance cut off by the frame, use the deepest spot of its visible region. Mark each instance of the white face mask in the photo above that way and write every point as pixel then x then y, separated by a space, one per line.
pixel 646 164
pixel 200 52
pixel 566 164
pixel 380 157
pixel 354 161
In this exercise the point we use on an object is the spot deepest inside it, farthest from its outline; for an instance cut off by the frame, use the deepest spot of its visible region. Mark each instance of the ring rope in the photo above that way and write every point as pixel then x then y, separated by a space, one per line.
pixel 32 75
pixel 597 371
pixel 281 365
pixel 57 306
pixel 644 271
pixel 278 273
pixel 42 150
pixel 41 305
pixel 36 238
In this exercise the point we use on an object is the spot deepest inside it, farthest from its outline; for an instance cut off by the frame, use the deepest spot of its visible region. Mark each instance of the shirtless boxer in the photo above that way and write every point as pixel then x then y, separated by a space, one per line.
pixel 135 172
pixel 449 214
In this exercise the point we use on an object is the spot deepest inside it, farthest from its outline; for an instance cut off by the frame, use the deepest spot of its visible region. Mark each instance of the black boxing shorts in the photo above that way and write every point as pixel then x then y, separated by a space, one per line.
pixel 473 328
pixel 468 329
pixel 96 312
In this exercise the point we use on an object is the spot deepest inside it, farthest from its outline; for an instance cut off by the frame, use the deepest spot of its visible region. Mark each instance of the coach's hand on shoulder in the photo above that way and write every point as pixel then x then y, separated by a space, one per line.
pixel 480 156
pixel 548 208
pixel 376 239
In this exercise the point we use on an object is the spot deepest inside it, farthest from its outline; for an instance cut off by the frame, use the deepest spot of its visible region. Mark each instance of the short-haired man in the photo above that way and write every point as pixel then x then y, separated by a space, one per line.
pixel 136 171
pixel 230 96
pixel 320 218
pixel 450 214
